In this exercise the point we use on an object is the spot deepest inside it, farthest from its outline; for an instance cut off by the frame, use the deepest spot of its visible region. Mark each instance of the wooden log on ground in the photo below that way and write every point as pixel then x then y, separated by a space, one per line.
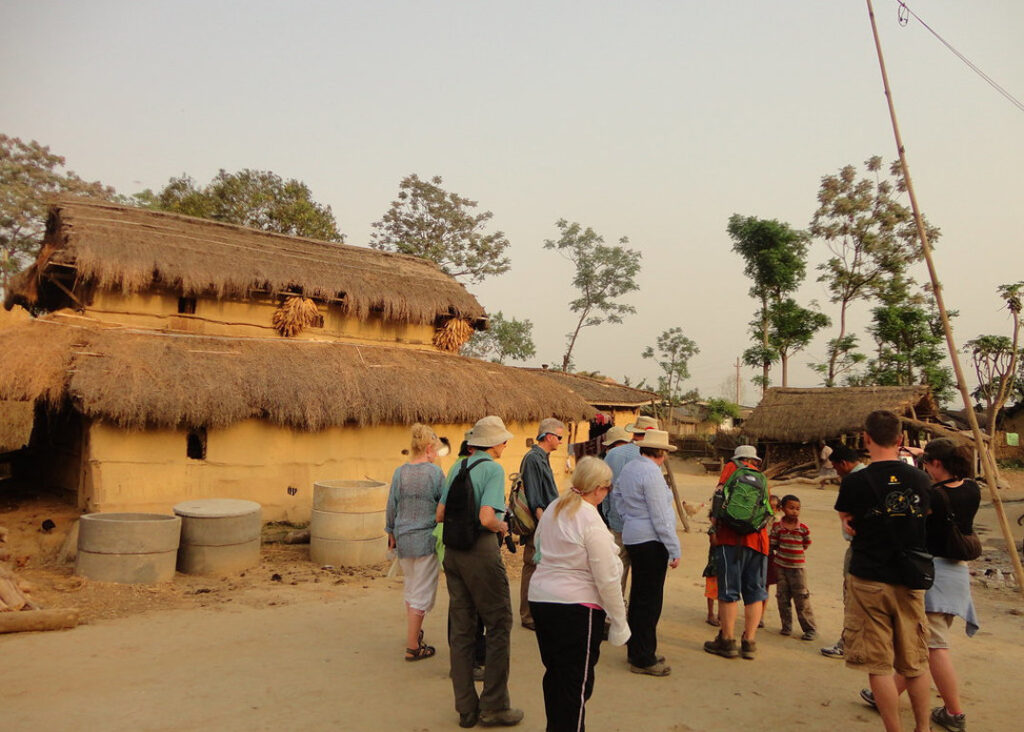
pixel 783 468
pixel 54 619
pixel 11 596
pixel 818 482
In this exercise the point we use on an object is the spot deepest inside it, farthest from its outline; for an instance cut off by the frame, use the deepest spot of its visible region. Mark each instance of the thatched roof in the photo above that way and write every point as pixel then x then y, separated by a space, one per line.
pixel 144 378
pixel 130 249
pixel 599 392
pixel 16 420
pixel 803 415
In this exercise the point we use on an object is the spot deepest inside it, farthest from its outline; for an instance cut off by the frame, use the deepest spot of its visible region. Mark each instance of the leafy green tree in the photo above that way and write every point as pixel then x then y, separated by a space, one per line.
pixel 603 274
pixel 673 354
pixel 719 409
pixel 503 339
pixel 870 235
pixel 29 174
pixel 776 260
pixel 791 329
pixel 995 359
pixel 259 199
pixel 428 221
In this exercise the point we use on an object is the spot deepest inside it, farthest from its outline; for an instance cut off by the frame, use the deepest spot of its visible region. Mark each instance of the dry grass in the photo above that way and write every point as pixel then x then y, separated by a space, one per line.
pixel 599 392
pixel 138 379
pixel 294 315
pixel 453 335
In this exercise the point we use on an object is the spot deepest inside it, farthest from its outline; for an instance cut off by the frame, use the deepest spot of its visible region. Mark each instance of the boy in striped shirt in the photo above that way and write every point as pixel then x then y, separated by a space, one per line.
pixel 789 538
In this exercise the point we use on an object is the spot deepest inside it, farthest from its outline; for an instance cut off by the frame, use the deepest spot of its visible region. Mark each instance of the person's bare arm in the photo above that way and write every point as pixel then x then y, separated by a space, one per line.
pixel 490 521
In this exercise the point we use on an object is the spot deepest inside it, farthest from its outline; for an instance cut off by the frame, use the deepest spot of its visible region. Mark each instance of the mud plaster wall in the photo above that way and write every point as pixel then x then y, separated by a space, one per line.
pixel 150 472
pixel 251 318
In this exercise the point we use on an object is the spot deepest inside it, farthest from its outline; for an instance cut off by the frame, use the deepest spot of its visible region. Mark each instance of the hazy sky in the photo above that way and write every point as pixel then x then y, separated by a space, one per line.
pixel 652 120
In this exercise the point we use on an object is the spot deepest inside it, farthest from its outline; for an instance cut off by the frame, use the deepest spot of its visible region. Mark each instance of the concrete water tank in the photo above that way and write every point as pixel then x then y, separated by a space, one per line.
pixel 131 548
pixel 347 525
pixel 219 536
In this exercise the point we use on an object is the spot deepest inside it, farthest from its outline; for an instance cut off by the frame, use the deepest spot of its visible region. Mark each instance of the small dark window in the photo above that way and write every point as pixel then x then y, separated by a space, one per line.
pixel 318 321
pixel 187 305
pixel 195 447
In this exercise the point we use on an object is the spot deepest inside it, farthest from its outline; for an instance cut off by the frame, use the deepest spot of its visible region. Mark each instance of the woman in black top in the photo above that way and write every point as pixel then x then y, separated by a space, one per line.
pixel 954 500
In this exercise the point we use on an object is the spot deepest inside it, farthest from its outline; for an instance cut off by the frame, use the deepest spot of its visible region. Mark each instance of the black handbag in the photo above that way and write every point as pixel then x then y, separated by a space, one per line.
pixel 958 546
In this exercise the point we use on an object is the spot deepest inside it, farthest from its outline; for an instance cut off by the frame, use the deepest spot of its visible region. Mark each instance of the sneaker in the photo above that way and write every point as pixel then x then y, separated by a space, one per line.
pixel 835 651
pixel 478 673
pixel 722 647
pixel 785 631
pixel 501 717
pixel 952 722
pixel 748 649
pixel 468 719
pixel 809 635
pixel 868 698
pixel 658 669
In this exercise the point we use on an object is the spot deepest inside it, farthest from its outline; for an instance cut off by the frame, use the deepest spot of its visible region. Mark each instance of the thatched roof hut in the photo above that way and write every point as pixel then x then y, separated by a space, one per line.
pixel 599 393
pixel 91 244
pixel 138 379
pixel 805 415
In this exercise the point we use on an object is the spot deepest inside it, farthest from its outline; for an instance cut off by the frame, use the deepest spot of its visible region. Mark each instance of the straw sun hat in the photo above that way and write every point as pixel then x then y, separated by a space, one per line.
pixel 643 424
pixel 656 439
pixel 616 434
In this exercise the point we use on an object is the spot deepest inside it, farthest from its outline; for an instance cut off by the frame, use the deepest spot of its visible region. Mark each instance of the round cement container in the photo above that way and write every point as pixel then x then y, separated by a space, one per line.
pixel 131 548
pixel 219 536
pixel 347 525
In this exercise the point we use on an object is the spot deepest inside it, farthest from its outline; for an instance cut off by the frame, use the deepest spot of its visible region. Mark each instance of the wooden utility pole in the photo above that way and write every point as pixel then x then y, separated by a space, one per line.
pixel 988 465
pixel 737 380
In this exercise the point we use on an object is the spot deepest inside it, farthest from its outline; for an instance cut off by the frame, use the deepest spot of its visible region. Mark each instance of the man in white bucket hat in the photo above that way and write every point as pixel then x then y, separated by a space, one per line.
pixel 478 586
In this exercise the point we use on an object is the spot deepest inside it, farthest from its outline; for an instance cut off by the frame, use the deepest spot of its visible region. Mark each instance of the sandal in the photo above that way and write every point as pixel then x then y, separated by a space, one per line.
pixel 418 654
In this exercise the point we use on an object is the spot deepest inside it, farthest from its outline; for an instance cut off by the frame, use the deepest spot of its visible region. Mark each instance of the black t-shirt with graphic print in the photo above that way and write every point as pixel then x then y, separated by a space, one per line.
pixel 887 487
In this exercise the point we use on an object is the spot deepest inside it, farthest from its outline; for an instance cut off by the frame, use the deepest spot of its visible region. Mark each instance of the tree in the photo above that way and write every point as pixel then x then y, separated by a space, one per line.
pixel 791 328
pixel 428 221
pixel 719 409
pixel 674 351
pixel 29 174
pixel 995 359
pixel 503 339
pixel 775 256
pixel 870 235
pixel 259 199
pixel 603 273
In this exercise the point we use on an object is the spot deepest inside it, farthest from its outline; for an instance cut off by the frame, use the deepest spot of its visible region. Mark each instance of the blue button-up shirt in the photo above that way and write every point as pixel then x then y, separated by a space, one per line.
pixel 617 458
pixel 645 502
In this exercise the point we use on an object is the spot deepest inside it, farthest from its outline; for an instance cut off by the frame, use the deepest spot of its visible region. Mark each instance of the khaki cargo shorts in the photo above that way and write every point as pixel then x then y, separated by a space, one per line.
pixel 885 628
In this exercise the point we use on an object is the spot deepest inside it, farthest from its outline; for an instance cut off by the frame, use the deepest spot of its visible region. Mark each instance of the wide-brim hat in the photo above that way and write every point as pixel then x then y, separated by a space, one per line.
pixel 745 452
pixel 616 434
pixel 488 432
pixel 643 424
pixel 656 439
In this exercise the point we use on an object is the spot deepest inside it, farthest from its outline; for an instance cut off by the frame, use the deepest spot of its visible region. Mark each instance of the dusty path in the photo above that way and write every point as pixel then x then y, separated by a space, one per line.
pixel 319 655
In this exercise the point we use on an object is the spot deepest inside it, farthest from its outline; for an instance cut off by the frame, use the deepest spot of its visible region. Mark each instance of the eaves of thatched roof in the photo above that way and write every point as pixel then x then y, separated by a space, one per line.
pixel 803 415
pixel 138 379
pixel 599 392
pixel 130 249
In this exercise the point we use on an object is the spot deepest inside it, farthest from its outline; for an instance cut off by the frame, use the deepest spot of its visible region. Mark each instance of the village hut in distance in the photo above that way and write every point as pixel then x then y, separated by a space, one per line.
pixel 180 358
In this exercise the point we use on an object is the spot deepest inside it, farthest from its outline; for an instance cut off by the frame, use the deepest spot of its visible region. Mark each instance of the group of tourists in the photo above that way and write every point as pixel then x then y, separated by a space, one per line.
pixel 616 517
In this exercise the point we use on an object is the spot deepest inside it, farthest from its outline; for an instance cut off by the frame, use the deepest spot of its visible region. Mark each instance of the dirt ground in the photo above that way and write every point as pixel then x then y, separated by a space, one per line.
pixel 290 645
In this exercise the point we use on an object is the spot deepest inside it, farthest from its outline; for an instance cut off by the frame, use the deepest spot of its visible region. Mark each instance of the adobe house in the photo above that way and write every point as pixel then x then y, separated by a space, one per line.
pixel 622 403
pixel 180 358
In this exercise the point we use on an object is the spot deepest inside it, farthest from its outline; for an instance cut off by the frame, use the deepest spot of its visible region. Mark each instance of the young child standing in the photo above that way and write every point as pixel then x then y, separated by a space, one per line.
pixel 789 538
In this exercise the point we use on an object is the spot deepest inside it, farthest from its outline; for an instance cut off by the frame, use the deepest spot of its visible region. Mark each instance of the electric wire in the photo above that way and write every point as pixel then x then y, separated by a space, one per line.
pixel 903 15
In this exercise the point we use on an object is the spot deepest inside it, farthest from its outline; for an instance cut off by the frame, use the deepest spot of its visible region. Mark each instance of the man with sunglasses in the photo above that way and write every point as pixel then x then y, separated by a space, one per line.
pixel 540 488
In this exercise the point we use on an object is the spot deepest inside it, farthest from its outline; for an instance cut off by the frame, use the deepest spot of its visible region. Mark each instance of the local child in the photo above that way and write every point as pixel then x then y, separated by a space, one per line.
pixel 789 539
pixel 772 573
pixel 711 584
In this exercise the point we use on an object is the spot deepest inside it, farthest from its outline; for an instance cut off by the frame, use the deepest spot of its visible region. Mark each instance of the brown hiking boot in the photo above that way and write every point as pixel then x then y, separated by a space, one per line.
pixel 748 649
pixel 722 647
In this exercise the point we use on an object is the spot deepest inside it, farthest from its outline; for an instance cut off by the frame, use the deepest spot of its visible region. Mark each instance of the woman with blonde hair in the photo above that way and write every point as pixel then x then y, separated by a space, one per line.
pixel 576 586
pixel 411 509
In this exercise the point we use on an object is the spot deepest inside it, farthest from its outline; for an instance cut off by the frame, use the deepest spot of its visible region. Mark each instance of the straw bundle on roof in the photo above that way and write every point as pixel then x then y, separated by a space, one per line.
pixel 294 315
pixel 803 415
pixel 137 379
pixel 453 335
pixel 15 424
pixel 131 249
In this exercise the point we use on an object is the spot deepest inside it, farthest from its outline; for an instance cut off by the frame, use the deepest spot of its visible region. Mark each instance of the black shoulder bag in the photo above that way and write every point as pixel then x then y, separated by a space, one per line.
pixel 958 546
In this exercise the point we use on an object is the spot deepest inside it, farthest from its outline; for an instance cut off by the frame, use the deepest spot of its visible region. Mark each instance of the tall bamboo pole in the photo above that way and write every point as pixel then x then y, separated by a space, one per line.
pixel 988 466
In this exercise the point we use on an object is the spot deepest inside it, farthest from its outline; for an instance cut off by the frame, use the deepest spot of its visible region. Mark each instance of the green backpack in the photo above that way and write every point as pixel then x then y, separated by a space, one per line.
pixel 744 506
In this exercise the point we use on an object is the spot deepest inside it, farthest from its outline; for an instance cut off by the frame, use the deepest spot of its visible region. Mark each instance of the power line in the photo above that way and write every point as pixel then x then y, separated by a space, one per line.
pixel 903 14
